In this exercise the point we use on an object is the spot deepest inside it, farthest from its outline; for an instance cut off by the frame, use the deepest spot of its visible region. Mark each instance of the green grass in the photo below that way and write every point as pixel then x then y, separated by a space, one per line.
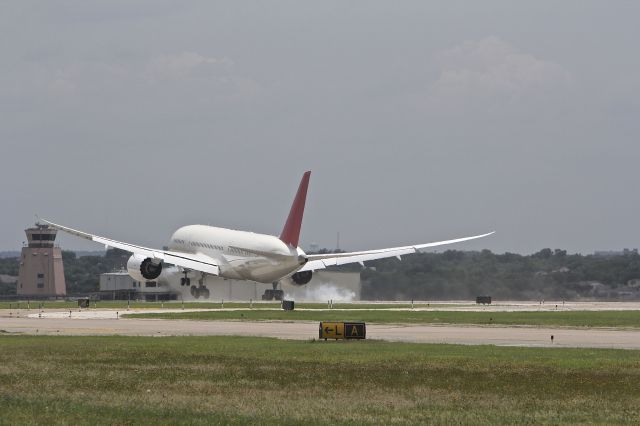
pixel 629 319
pixel 204 380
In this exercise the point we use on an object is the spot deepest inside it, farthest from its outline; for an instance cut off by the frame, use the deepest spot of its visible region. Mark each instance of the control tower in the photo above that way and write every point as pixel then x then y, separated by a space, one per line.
pixel 41 270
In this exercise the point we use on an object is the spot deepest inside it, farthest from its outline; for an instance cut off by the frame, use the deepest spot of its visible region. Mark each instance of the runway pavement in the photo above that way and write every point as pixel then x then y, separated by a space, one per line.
pixel 103 322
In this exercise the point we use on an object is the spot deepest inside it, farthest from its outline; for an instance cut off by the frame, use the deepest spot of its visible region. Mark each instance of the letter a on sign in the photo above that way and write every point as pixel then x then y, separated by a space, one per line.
pixel 354 330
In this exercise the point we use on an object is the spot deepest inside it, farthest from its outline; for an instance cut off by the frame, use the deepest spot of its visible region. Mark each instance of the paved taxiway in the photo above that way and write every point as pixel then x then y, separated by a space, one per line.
pixel 103 322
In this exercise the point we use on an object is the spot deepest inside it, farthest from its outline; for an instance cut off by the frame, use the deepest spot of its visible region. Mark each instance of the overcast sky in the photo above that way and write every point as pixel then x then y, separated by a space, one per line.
pixel 419 120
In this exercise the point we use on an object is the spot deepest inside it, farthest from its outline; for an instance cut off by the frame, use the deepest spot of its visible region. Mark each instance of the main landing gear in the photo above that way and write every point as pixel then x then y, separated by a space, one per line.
pixel 273 294
pixel 200 291
pixel 197 292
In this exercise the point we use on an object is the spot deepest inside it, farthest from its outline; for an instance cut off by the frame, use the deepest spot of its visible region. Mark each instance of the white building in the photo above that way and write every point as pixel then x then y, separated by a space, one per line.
pixel 120 285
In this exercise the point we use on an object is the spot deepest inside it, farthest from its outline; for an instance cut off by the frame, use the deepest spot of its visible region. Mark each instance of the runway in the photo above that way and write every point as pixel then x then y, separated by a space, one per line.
pixel 60 324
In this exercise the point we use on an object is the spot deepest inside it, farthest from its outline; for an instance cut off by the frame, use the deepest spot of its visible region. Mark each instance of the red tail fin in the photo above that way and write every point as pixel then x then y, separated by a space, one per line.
pixel 291 232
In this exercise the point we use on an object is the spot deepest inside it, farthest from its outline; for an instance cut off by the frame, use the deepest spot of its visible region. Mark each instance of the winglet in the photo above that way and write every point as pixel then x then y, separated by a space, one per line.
pixel 291 232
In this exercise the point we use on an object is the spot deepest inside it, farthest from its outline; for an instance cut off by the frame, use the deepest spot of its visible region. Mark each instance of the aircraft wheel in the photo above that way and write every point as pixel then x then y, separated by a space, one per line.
pixel 195 292
pixel 204 292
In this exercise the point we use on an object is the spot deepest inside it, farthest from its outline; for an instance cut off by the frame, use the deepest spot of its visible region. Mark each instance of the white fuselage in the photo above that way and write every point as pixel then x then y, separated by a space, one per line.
pixel 242 255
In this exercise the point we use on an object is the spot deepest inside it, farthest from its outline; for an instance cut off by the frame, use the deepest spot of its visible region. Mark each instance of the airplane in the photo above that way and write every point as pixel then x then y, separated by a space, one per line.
pixel 240 255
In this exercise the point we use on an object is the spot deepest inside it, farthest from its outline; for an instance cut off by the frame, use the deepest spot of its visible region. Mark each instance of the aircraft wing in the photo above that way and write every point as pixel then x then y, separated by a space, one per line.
pixel 321 261
pixel 197 262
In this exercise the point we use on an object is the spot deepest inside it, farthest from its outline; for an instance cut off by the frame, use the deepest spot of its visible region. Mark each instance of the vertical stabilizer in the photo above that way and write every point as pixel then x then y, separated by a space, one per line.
pixel 291 232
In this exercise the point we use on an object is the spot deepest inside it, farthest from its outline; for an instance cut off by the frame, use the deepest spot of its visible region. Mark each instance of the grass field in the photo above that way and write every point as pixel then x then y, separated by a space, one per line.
pixel 205 380
pixel 630 319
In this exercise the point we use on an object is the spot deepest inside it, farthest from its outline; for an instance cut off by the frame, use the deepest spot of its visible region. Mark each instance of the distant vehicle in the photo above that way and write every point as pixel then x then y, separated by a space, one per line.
pixel 198 250
pixel 484 300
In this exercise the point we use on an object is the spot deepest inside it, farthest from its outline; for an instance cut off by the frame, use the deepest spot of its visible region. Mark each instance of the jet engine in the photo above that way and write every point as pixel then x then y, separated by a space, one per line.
pixel 143 268
pixel 301 278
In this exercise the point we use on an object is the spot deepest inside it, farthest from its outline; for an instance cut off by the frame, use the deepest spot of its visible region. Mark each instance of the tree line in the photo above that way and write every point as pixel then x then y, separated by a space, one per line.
pixel 547 274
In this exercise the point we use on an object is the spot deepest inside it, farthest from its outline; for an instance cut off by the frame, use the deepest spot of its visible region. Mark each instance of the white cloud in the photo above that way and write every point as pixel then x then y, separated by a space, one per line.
pixel 70 79
pixel 492 68
pixel 185 64
pixel 61 86
pixel 186 77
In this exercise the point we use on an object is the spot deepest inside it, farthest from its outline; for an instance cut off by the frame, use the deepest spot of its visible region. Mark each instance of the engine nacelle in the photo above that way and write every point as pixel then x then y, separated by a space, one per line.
pixel 143 268
pixel 301 278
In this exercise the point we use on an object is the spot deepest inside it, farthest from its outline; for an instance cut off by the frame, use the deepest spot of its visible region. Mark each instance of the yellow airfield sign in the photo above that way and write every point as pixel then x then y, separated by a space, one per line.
pixel 342 330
